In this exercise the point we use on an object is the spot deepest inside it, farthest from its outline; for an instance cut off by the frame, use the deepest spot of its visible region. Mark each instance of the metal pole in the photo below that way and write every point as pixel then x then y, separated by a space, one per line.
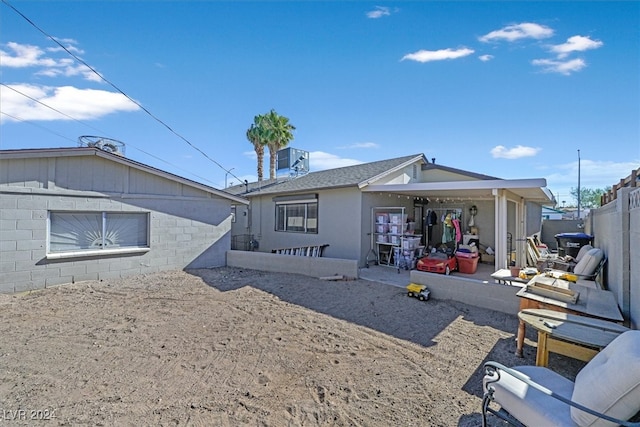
pixel 578 184
pixel 225 177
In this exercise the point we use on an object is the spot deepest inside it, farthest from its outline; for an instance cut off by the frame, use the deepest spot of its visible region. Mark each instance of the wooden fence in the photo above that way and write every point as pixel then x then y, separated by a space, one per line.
pixel 630 181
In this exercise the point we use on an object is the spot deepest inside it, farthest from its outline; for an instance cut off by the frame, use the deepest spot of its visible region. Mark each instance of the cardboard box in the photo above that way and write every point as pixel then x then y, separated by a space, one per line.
pixel 488 259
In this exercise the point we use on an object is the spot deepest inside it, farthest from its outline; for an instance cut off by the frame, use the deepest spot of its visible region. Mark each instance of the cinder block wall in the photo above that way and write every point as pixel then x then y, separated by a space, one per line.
pixel 469 291
pixel 615 227
pixel 185 232
pixel 308 266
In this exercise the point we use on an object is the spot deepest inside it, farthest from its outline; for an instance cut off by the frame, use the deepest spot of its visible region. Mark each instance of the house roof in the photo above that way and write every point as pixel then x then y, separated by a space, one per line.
pixel 91 151
pixel 367 175
pixel 349 176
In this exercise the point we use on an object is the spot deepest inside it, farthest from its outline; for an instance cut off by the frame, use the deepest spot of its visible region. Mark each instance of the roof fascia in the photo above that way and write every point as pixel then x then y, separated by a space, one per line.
pixel 375 178
pixel 84 151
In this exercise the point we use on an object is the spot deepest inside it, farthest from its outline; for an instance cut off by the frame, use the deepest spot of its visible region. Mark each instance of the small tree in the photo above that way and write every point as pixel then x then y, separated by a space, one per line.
pixel 589 197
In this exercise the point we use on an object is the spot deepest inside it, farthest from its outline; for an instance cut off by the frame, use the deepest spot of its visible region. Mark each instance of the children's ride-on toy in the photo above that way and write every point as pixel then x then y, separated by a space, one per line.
pixel 419 291
pixel 438 262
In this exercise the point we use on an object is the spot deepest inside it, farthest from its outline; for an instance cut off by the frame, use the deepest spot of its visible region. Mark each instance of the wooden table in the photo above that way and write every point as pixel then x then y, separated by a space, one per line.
pixel 592 302
pixel 578 337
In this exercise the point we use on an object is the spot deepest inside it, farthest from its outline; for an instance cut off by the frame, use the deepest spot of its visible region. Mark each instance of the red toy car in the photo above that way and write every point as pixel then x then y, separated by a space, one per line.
pixel 438 262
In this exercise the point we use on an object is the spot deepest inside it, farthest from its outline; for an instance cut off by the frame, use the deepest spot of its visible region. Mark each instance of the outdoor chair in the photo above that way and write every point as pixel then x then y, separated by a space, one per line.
pixel 588 268
pixel 606 392
pixel 568 263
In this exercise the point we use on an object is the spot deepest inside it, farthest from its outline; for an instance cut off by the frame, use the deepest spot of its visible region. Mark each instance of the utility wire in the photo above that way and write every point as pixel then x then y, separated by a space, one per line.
pixel 49 107
pixel 36 125
pixel 18 119
pixel 118 89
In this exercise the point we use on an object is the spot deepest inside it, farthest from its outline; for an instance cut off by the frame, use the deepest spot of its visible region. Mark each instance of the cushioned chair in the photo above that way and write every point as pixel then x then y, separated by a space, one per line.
pixel 606 391
pixel 588 267
pixel 567 263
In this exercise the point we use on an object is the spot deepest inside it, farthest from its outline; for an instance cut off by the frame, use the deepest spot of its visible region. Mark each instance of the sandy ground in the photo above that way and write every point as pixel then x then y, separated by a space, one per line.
pixel 232 347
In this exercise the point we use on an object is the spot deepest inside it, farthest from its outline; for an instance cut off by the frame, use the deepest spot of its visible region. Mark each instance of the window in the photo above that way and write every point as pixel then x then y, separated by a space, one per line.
pixel 90 233
pixel 299 215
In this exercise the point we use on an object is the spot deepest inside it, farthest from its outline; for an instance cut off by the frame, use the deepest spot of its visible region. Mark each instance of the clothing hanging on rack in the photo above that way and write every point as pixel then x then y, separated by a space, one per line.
pixel 456 225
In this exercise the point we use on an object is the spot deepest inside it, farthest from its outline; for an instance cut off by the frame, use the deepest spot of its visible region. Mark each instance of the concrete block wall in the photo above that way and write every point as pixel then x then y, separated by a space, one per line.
pixel 615 230
pixel 490 296
pixel 184 233
pixel 307 266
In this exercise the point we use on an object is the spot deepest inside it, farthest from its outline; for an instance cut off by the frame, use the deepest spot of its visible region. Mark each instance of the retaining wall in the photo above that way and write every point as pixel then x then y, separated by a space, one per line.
pixel 307 266
pixel 491 296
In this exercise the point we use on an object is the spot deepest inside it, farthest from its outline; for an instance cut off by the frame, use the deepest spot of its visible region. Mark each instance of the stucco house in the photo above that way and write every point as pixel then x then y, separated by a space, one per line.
pixel 72 214
pixel 338 207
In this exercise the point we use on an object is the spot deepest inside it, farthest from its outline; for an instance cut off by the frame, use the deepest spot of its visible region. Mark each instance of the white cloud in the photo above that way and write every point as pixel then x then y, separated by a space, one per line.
pixel 526 30
pixel 517 152
pixel 437 55
pixel 361 145
pixel 485 58
pixel 80 104
pixel 561 67
pixel 24 55
pixel 319 160
pixel 18 55
pixel 378 12
pixel 575 44
pixel 593 175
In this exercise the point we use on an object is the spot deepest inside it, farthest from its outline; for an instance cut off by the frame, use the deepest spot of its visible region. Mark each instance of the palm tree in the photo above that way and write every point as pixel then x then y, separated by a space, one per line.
pixel 278 134
pixel 256 135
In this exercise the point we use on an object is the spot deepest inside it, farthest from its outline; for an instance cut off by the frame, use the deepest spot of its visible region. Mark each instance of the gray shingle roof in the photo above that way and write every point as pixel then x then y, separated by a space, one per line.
pixel 347 176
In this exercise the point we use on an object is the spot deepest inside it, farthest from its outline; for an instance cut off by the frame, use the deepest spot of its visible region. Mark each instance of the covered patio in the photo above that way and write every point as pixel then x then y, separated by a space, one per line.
pixel 515 207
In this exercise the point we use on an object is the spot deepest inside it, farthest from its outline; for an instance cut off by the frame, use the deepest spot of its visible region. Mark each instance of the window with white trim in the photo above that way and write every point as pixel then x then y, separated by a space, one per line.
pixel 297 215
pixel 92 232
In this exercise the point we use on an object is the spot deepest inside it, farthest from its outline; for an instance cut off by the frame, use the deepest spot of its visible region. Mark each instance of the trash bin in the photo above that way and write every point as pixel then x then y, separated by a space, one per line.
pixel 570 243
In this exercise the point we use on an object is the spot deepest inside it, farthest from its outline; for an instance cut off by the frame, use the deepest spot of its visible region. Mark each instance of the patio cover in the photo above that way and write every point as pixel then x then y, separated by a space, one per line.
pixel 518 191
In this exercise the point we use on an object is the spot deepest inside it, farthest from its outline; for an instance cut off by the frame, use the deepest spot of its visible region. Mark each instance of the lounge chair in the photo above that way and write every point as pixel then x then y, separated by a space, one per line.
pixel 606 392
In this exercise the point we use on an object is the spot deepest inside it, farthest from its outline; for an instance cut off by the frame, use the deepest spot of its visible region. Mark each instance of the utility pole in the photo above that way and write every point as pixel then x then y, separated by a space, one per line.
pixel 578 184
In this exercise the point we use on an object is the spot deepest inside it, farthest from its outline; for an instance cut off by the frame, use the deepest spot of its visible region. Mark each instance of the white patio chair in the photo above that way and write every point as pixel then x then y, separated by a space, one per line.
pixel 606 391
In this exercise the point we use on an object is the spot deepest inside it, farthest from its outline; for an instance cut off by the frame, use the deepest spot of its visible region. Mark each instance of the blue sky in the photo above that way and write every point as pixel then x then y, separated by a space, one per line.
pixel 509 89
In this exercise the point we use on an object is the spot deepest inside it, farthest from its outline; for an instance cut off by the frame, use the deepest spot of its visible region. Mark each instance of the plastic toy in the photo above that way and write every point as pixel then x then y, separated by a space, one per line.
pixel 419 291
pixel 438 262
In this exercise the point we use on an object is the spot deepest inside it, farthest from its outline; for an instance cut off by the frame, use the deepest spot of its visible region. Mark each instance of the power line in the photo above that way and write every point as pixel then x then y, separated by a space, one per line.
pixel 49 107
pixel 118 89
pixel 128 145
pixel 36 125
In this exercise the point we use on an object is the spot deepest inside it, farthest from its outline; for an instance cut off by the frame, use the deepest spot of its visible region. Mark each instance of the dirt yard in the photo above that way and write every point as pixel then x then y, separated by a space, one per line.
pixel 232 347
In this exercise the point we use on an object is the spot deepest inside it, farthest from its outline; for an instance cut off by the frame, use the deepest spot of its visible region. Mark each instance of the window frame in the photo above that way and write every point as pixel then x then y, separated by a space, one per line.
pixel 299 201
pixel 102 249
